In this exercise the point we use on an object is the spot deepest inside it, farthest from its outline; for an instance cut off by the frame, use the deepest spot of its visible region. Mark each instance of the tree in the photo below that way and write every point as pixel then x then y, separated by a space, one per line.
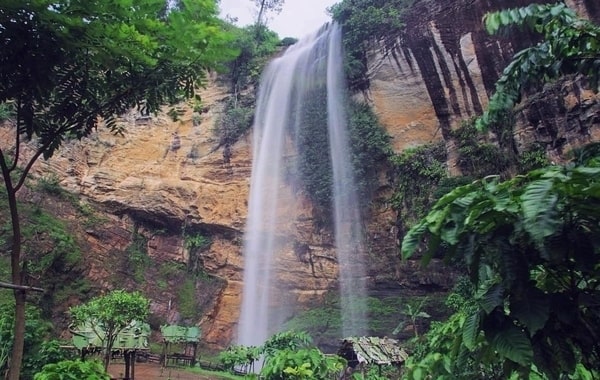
pixel 108 315
pixel 68 66
pixel 531 248
pixel 570 45
pixel 264 7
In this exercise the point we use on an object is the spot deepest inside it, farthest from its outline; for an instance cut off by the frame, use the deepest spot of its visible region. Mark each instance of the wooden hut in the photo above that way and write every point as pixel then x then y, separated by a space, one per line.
pixel 363 351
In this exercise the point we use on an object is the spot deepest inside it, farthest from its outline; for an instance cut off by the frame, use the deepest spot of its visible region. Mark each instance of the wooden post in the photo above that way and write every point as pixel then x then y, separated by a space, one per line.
pixel 133 364
pixel 127 363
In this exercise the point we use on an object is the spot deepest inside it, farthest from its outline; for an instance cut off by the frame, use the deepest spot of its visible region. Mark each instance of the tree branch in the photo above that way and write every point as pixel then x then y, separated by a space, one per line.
pixel 20 287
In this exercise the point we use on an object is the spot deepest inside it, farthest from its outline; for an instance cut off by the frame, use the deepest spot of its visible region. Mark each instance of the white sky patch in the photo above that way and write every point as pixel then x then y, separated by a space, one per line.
pixel 298 18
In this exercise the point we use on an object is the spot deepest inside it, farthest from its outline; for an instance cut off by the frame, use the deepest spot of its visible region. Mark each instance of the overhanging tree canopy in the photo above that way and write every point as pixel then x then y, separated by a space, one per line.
pixel 69 65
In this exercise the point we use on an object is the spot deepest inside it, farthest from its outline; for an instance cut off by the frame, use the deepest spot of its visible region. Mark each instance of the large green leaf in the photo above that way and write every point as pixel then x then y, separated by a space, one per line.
pixel 412 239
pixel 532 310
pixel 490 296
pixel 539 203
pixel 471 330
pixel 512 343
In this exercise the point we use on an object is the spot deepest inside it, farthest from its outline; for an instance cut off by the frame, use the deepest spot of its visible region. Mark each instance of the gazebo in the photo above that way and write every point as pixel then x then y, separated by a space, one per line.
pixel 131 340
pixel 187 336
pixel 363 351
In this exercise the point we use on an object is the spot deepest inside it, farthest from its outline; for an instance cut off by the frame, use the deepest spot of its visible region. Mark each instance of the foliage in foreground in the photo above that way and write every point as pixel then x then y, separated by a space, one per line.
pixel 39 348
pixel 287 355
pixel 111 313
pixel 570 45
pixel 532 250
pixel 73 369
pixel 68 66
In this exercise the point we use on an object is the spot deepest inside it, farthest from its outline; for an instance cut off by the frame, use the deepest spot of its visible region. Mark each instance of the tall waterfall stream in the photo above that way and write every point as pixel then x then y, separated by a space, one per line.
pixel 290 89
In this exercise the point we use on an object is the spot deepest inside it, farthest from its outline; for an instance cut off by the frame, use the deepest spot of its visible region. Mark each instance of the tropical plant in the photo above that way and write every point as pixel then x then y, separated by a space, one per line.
pixel 414 312
pixel 305 363
pixel 569 46
pixel 69 66
pixel 108 315
pixel 286 340
pixel 531 248
pixel 240 356
pixel 72 369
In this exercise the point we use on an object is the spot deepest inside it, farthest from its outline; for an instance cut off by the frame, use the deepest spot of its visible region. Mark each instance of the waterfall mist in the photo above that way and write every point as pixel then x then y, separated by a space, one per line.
pixel 300 132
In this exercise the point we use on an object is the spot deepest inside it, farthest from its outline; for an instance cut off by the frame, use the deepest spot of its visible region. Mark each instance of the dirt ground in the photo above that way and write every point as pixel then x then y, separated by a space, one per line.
pixel 152 371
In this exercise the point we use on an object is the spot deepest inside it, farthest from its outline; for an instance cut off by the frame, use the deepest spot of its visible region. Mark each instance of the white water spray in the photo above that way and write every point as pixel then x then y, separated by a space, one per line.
pixel 288 89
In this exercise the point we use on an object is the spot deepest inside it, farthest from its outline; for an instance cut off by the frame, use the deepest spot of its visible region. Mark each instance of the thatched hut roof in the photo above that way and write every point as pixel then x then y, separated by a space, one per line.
pixel 372 350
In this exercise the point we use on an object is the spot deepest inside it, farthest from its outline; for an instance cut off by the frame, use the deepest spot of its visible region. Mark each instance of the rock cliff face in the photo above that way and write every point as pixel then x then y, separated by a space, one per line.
pixel 443 68
pixel 164 178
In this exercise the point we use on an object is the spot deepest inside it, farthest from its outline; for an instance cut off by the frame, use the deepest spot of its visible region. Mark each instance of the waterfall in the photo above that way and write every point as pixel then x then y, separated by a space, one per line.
pixel 300 132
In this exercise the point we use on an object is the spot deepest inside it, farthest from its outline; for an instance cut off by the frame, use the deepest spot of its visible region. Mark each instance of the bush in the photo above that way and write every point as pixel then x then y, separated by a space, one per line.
pixel 72 369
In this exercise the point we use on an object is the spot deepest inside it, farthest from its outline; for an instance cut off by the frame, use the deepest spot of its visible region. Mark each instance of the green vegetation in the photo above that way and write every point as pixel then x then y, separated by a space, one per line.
pixel 530 247
pixel 235 121
pixel 569 46
pixel 137 256
pixel 7 111
pixel 314 167
pixel 287 355
pixel 73 369
pixel 39 348
pixel 478 157
pixel 417 172
pixel 111 312
pixel 186 299
pixel 67 66
pixel 366 23
pixel 371 148
pixel 255 49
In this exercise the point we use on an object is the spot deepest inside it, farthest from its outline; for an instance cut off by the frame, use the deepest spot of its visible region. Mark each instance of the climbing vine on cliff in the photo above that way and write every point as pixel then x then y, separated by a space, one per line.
pixel 365 23
pixel 370 149
pixel 417 173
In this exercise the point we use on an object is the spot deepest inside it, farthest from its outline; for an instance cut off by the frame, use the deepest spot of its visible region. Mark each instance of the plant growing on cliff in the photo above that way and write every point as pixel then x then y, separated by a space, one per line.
pixel 417 172
pixel 366 23
pixel 569 46
pixel 67 65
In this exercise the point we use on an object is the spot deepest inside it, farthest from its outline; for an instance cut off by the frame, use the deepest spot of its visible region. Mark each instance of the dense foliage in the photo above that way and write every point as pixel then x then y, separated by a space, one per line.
pixel 416 172
pixel 39 348
pixel 72 369
pixel 366 23
pixel 69 65
pixel 569 46
pixel 286 355
pixel 531 248
pixel 112 313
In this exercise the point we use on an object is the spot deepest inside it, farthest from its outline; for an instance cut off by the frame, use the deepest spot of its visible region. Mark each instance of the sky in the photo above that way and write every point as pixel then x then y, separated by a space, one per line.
pixel 297 19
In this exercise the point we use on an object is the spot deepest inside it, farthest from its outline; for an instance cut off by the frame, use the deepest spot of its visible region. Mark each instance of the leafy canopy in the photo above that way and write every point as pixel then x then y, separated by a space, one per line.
pixel 68 63
pixel 111 313
pixel 570 45
pixel 531 248
pixel 366 23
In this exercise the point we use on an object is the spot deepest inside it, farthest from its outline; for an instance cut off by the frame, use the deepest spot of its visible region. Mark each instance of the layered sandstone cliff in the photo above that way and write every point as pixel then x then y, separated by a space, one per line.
pixel 164 177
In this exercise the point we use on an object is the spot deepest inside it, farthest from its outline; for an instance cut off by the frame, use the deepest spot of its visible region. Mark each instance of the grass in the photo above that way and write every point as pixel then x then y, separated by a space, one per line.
pixel 215 374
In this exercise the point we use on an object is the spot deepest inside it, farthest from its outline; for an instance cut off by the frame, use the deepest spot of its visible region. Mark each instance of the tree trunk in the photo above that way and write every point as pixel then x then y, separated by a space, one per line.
pixel 14 371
